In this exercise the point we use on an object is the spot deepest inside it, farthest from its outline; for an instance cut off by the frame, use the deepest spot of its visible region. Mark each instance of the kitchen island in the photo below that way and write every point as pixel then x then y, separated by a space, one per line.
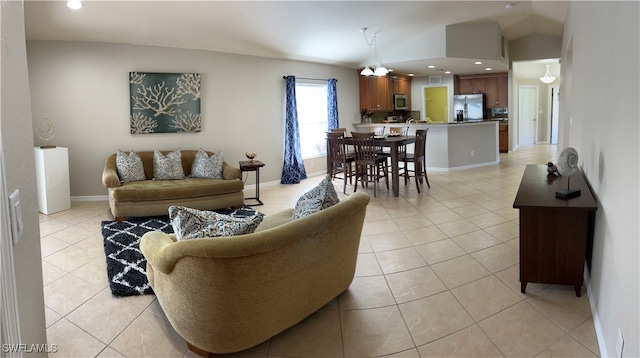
pixel 453 145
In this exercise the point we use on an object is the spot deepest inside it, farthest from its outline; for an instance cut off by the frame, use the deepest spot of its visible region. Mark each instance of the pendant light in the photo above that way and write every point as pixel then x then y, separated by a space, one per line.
pixel 547 78
pixel 378 68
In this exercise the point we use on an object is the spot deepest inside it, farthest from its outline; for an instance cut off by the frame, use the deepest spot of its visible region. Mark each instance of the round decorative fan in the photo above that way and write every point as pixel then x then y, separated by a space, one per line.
pixel 568 166
pixel 568 162
pixel 45 129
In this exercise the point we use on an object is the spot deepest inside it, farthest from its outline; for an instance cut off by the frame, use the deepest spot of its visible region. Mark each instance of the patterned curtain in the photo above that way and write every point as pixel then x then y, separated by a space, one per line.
pixel 332 104
pixel 293 166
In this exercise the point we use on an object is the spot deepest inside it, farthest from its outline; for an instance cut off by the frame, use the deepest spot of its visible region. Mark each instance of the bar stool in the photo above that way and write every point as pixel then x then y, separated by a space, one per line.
pixel 418 158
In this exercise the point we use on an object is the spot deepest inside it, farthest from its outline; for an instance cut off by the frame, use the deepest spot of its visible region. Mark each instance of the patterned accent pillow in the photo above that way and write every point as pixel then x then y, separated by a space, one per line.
pixel 129 167
pixel 167 167
pixel 191 223
pixel 321 197
pixel 207 167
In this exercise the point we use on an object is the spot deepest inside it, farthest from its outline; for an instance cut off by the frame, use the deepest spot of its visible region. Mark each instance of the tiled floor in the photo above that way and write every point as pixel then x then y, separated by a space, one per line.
pixel 437 276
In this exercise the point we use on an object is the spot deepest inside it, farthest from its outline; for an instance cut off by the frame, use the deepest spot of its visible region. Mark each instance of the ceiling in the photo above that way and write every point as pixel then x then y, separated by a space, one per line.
pixel 316 31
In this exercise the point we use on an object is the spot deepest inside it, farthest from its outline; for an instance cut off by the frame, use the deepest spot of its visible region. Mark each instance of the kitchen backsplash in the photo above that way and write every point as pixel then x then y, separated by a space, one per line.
pixel 402 116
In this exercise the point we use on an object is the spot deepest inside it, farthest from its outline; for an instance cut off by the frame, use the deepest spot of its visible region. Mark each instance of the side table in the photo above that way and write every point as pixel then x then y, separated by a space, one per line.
pixel 253 166
pixel 556 235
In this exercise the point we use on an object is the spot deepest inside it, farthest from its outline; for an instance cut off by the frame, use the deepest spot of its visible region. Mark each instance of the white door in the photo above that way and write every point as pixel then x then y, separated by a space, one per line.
pixel 527 114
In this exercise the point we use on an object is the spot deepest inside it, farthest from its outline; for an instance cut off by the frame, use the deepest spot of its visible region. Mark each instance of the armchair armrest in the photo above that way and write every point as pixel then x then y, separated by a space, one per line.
pixel 153 246
pixel 110 177
pixel 229 172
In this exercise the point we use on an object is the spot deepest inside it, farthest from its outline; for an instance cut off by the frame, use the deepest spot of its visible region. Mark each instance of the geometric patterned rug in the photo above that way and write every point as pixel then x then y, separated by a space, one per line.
pixel 125 263
pixel 126 266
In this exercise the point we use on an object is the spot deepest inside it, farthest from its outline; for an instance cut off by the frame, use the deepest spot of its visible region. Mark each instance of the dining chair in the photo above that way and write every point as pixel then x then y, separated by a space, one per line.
pixel 371 166
pixel 418 159
pixel 377 130
pixel 401 131
pixel 339 160
pixel 340 130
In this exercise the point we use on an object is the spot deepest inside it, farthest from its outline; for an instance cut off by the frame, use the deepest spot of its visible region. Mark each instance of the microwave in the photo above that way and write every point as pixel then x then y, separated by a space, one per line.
pixel 400 102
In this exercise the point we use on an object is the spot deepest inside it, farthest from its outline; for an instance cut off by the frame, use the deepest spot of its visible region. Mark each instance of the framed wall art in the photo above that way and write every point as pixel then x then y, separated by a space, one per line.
pixel 164 102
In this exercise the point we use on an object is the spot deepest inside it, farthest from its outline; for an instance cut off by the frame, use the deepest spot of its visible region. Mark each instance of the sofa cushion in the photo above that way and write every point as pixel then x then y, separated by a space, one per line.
pixel 191 223
pixel 207 167
pixel 152 190
pixel 129 167
pixel 167 167
pixel 321 197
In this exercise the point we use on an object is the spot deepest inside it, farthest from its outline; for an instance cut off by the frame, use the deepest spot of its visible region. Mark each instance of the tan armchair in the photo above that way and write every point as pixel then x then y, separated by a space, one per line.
pixel 225 295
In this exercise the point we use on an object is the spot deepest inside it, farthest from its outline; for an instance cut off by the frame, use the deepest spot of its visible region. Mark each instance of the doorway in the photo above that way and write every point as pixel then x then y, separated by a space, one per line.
pixel 435 103
pixel 527 114
pixel 555 102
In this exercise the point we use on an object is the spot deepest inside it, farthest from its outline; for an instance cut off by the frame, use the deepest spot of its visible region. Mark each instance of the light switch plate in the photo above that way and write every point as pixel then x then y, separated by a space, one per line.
pixel 15 209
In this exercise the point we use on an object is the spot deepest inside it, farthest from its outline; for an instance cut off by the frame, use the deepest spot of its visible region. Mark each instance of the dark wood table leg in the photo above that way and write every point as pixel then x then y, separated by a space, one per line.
pixel 578 290
pixel 523 287
pixel 394 170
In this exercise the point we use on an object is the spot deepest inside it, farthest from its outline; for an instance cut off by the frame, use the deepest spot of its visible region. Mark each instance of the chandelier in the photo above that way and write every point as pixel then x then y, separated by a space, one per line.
pixel 547 78
pixel 378 68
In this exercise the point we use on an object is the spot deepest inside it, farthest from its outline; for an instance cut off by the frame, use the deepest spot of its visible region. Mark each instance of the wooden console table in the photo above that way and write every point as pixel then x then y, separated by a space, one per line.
pixel 555 234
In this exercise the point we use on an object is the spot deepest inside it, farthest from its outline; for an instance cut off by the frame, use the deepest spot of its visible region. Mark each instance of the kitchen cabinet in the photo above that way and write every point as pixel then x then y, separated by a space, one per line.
pixel 376 93
pixel 401 85
pixel 472 86
pixel 494 86
pixel 503 138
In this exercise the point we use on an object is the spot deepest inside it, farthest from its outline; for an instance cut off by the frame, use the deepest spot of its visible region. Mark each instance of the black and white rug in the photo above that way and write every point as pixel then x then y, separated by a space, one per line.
pixel 125 263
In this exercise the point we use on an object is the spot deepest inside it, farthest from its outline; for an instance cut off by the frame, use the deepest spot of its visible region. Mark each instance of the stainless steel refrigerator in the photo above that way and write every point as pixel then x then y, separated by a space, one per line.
pixel 471 105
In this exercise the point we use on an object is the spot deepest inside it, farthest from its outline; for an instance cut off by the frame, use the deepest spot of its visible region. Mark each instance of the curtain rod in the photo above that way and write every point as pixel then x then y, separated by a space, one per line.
pixel 312 79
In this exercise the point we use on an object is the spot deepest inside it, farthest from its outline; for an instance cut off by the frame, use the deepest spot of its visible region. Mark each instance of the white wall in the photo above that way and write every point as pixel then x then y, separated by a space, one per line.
pixel 17 144
pixel 84 89
pixel 600 90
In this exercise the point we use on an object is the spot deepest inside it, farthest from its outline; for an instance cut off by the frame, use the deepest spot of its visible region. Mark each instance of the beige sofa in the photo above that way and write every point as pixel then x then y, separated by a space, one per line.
pixel 153 197
pixel 228 294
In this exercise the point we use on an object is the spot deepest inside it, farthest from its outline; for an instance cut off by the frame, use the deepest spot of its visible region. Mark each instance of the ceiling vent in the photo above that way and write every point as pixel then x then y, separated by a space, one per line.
pixel 435 80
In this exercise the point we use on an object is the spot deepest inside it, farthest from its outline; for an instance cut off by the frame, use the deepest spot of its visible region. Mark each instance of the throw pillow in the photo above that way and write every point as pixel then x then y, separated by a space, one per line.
pixel 167 167
pixel 321 197
pixel 207 167
pixel 129 167
pixel 191 223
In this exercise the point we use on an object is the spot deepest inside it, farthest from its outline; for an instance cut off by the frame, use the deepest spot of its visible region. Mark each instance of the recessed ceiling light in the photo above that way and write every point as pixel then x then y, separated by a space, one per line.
pixel 488 69
pixel 74 4
pixel 411 74
pixel 478 62
pixel 447 72
pixel 431 66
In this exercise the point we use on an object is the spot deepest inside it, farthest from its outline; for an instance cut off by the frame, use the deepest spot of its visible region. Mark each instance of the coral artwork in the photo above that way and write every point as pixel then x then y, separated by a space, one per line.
pixel 164 102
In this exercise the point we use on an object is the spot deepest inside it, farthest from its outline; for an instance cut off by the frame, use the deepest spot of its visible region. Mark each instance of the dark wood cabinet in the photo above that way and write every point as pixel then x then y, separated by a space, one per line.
pixel 503 91
pixel 503 138
pixel 401 85
pixel 556 235
pixel 376 93
pixel 494 86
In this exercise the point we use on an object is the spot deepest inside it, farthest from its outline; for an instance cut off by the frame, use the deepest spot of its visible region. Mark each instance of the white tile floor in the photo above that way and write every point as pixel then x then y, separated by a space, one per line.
pixel 437 276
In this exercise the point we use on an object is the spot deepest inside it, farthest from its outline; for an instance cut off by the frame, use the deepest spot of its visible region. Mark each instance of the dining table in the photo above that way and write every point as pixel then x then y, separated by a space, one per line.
pixel 394 143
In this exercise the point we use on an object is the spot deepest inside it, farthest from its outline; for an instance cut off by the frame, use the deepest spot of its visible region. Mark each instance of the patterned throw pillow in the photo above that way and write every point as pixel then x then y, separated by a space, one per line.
pixel 129 167
pixel 194 224
pixel 207 167
pixel 167 167
pixel 321 197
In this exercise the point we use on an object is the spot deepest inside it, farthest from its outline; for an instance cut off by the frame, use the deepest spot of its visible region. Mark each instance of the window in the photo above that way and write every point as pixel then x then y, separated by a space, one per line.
pixel 312 118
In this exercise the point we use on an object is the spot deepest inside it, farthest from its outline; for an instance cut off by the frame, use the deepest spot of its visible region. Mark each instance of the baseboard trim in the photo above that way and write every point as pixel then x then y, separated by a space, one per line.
pixel 594 313
pixel 90 198
pixel 472 166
